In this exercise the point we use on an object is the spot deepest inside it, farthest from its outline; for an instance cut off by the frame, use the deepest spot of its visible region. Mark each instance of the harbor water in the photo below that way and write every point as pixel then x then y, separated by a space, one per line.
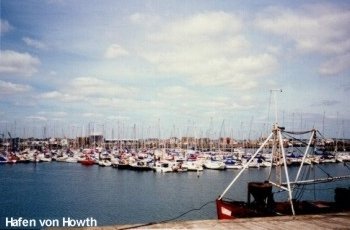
pixel 110 196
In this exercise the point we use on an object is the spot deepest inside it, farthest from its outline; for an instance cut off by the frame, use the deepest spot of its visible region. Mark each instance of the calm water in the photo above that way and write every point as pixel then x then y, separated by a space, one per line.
pixel 111 196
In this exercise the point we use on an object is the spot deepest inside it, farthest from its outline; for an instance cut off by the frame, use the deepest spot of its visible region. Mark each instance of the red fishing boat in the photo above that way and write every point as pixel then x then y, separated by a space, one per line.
pixel 88 160
pixel 260 198
pixel 260 195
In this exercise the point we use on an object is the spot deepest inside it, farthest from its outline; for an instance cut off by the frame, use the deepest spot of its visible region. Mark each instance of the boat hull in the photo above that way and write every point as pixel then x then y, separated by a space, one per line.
pixel 87 162
pixel 140 168
pixel 238 209
pixel 121 166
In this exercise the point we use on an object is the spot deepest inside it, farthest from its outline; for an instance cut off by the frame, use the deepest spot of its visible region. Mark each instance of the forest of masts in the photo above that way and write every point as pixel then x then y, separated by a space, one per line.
pixel 58 135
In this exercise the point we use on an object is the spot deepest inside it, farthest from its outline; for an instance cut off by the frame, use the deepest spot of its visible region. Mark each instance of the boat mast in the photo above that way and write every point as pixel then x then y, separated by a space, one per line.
pixel 279 152
pixel 274 96
pixel 286 170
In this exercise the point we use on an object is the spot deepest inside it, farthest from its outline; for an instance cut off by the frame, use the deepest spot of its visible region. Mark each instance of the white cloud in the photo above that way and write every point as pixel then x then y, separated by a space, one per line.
pixel 92 115
pixel 114 118
pixel 315 28
pixel 61 96
pixel 115 51
pixel 12 88
pixel 51 95
pixel 143 19
pixel 38 118
pixel 34 43
pixel 53 73
pixel 176 93
pixel 91 90
pixel 210 49
pixel 91 86
pixel 57 114
pixel 12 62
pixel 204 26
pixel 4 27
pixel 335 65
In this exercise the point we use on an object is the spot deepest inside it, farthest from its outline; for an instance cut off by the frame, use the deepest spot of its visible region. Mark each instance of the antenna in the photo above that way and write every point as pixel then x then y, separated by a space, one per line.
pixel 274 97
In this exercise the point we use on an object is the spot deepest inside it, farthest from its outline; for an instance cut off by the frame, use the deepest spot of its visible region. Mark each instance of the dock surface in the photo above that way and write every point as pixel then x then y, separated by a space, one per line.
pixel 324 221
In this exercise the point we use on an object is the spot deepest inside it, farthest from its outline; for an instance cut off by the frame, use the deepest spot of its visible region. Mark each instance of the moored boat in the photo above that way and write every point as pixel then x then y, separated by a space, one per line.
pixel 87 161
pixel 71 160
pixel 121 164
pixel 193 166
pixel 163 166
pixel 140 166
pixel 12 158
pixel 3 159
pixel 261 201
pixel 215 165
pixel 232 164
pixel 104 163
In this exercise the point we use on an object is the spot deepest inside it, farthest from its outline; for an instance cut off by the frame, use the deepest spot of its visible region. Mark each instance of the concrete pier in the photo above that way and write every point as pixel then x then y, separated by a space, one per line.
pixel 324 221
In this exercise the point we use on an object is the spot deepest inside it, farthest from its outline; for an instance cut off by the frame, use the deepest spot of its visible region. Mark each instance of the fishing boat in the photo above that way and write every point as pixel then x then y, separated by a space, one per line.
pixel 261 200
pixel 87 161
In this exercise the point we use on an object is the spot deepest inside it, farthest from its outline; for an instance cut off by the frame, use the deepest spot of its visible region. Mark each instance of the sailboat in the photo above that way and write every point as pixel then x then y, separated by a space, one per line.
pixel 261 194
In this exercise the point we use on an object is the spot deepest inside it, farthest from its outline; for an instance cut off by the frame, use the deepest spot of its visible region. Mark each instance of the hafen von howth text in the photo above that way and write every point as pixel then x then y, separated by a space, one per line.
pixel 64 222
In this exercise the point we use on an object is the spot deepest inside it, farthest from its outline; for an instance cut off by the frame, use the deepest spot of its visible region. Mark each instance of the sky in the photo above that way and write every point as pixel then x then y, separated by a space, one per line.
pixel 137 69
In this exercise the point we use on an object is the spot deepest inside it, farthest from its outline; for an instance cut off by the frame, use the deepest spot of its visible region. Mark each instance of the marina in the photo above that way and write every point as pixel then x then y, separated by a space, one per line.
pixel 114 197
pixel 281 177
pixel 203 115
pixel 168 160
pixel 114 185
pixel 134 156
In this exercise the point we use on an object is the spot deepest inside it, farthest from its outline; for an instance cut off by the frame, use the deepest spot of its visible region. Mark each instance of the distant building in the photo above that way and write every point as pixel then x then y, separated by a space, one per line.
pixel 95 140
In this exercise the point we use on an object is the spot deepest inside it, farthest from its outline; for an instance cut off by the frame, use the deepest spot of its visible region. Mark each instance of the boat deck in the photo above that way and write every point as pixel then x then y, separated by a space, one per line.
pixel 324 221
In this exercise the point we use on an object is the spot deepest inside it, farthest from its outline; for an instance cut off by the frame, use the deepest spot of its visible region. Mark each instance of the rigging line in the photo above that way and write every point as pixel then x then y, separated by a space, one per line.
pixel 294 138
pixel 297 133
pixel 298 192
pixel 321 180
pixel 168 220
pixel 314 185
pixel 305 175
pixel 279 191
pixel 194 209
pixel 318 189
pixel 323 137
pixel 300 151
pixel 329 176
pixel 346 165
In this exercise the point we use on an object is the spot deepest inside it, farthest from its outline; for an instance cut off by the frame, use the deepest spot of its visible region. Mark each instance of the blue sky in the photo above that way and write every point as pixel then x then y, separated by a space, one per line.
pixel 202 68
